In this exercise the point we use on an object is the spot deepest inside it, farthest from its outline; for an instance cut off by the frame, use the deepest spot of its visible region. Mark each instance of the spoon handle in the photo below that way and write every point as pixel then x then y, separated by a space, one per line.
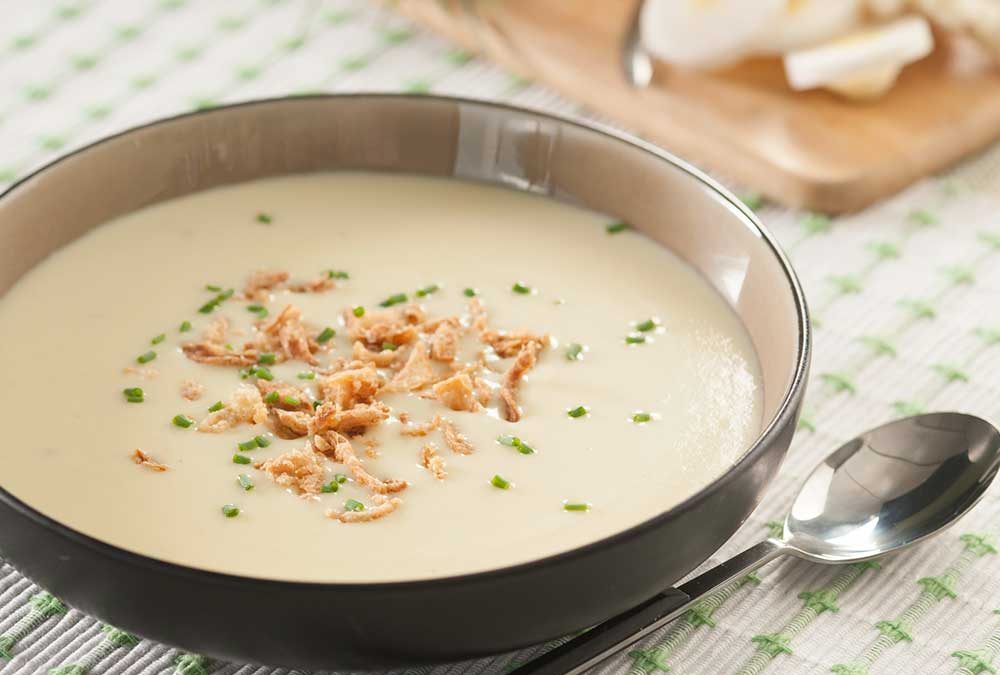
pixel 620 631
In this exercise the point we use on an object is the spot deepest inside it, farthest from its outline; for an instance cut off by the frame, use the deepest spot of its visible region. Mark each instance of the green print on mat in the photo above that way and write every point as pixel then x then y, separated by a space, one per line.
pixel 932 590
pixel 114 639
pixel 978 661
pixel 41 606
pixel 192 664
pixel 815 602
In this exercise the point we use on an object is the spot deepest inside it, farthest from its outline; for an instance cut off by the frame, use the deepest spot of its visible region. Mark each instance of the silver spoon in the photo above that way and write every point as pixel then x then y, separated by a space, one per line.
pixel 637 64
pixel 885 490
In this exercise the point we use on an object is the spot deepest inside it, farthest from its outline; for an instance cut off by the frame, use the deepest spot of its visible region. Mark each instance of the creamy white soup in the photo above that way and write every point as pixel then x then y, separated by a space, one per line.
pixel 356 377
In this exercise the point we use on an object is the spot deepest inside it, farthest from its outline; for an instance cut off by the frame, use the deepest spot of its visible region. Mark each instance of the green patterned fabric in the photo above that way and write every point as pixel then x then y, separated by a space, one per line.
pixel 905 299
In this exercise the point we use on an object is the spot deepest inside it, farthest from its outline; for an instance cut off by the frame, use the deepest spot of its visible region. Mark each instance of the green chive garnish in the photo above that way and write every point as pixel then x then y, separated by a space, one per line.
pixel 185 326
pixel 359 311
pixel 396 299
pixel 213 288
pixel 292 401
pixel 578 411
pixel 337 274
pixel 646 325
pixel 388 346
pixel 216 407
pixel 267 358
pixel 182 421
pixel 521 288
pixel 332 486
pixel 574 351
pixel 259 310
pixel 262 373
pixel 208 307
pixel 517 444
pixel 241 459
pixel 146 357
pixel 317 404
pixel 340 478
pixel 212 304
pixel 306 375
pixel 264 218
pixel 641 417
pixel 247 446
pixel 328 332
pixel 272 397
pixel 230 510
pixel 262 441
pixel 158 339
pixel 615 228
pixel 245 481
pixel 635 339
pixel 576 506
pixel 353 505
pixel 499 481
pixel 134 394
pixel 469 292
pixel 427 290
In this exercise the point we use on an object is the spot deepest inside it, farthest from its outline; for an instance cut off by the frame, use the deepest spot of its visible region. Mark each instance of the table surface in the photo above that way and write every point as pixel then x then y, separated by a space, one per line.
pixel 905 298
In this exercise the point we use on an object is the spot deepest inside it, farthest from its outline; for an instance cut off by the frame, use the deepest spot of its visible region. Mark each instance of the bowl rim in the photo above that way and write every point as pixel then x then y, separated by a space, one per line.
pixel 782 418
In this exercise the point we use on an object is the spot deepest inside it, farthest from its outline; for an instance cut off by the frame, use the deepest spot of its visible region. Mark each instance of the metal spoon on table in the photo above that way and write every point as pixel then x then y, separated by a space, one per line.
pixel 636 62
pixel 889 488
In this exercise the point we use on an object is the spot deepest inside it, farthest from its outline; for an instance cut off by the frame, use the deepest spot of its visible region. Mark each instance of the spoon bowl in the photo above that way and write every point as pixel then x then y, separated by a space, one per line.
pixel 892 487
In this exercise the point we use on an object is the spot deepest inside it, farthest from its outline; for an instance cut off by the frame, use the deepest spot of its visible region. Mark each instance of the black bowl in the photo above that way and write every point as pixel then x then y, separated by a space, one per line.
pixel 375 625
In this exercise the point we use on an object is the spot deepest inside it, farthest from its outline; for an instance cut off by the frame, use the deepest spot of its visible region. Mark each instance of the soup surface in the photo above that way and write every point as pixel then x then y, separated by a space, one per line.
pixel 549 379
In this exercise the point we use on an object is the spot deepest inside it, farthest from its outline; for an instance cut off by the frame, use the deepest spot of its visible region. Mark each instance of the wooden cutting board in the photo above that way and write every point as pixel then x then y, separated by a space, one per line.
pixel 808 149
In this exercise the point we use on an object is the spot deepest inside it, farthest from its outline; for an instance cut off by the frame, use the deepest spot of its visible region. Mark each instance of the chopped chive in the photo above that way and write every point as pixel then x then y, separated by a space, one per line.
pixel 262 441
pixel 359 311
pixel 306 375
pixel 353 505
pixel 185 326
pixel 340 478
pixel 208 307
pixel 499 481
pixel 158 339
pixel 427 290
pixel 317 404
pixel 134 394
pixel 521 288
pixel 328 333
pixel 576 506
pixel 264 218
pixel 337 274
pixel 332 486
pixel 635 339
pixel 272 397
pixel 574 352
pixel 216 407
pixel 616 227
pixel 396 299
pixel 641 417
pixel 212 304
pixel 230 510
pixel 229 346
pixel 470 292
pixel 245 373
pixel 146 357
pixel 259 310
pixel 247 446
pixel 267 358
pixel 292 401
pixel 578 411
pixel 388 346
pixel 182 421
pixel 226 294
pixel 213 288
pixel 245 481
pixel 262 373
pixel 241 459
pixel 646 325
pixel 517 444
